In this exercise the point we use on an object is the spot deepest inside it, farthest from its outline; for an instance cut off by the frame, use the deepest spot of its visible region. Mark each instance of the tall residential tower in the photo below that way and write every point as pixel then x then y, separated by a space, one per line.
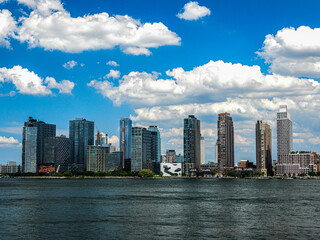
pixel 225 140
pixel 191 141
pixel 284 132
pixel 125 142
pixel 263 147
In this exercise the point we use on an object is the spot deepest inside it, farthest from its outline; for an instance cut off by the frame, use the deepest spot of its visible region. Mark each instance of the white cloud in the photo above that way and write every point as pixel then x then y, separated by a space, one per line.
pixel 69 65
pixel 112 74
pixel 192 11
pixel 10 94
pixel 172 132
pixel 64 86
pixel 51 27
pixel 2 1
pixel 112 63
pixel 315 140
pixel 27 82
pixel 298 140
pixel 7 27
pixel 114 140
pixel 8 140
pixel 137 51
pixel 211 82
pixel 242 141
pixel 293 52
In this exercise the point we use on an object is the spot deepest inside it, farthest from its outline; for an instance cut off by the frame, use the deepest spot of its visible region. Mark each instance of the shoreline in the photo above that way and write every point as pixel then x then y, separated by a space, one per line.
pixel 159 177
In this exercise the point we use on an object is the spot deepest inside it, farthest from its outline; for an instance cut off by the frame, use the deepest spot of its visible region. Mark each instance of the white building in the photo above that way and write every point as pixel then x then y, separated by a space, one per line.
pixel 284 132
pixel 171 169
pixel 10 167
pixel 203 150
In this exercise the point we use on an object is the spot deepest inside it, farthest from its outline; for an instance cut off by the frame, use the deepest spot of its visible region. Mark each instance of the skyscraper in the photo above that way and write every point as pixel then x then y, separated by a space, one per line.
pixel 203 150
pixel 263 147
pixel 191 141
pixel 125 142
pixel 156 143
pixel 33 135
pixel 57 152
pixel 284 132
pixel 81 133
pixel 225 140
pixel 141 149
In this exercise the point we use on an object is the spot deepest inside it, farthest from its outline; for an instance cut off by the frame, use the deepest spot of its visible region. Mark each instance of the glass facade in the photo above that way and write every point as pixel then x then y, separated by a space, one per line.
pixel 191 141
pixel 57 151
pixel 125 140
pixel 81 133
pixel 156 143
pixel 141 149
pixel 113 161
pixel 33 137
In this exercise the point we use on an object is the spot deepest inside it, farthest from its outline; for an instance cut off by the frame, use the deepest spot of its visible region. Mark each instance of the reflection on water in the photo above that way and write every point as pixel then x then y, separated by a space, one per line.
pixel 158 209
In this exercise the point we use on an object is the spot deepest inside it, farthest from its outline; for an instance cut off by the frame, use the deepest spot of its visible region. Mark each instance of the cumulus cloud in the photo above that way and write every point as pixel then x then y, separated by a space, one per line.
pixel 112 74
pixel 210 82
pixel 90 32
pixel 137 51
pixel 28 82
pixel 293 52
pixel 8 140
pixel 192 11
pixel 64 86
pixel 7 27
pixel 69 65
pixel 112 63
pixel 315 140
pixel 114 140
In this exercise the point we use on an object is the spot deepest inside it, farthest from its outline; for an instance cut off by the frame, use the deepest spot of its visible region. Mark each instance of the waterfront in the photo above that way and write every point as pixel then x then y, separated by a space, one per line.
pixel 159 209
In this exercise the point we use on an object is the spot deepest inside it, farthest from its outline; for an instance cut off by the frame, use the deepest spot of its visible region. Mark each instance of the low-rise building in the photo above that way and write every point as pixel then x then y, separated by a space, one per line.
pixel 210 165
pixel 171 169
pixel 296 163
pixel 10 167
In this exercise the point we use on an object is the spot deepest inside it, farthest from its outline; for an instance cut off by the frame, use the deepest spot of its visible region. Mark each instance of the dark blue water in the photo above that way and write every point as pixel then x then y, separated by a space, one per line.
pixel 159 209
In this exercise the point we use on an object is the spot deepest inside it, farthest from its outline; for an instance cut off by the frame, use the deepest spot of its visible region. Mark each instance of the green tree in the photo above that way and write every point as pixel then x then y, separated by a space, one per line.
pixel 145 173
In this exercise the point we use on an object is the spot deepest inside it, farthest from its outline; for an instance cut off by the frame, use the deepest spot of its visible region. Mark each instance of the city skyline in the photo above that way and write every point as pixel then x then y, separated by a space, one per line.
pixel 220 61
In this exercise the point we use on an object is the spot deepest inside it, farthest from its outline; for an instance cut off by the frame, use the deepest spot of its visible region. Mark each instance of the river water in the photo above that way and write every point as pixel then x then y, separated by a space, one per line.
pixel 159 209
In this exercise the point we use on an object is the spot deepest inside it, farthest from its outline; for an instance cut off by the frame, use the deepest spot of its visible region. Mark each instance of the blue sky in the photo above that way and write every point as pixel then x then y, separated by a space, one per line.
pixel 164 70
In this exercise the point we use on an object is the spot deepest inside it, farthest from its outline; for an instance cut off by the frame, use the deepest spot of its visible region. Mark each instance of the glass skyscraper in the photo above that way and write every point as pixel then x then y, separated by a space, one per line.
pixel 81 133
pixel 156 143
pixel 191 141
pixel 57 151
pixel 125 141
pixel 225 140
pixel 33 136
pixel 141 149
